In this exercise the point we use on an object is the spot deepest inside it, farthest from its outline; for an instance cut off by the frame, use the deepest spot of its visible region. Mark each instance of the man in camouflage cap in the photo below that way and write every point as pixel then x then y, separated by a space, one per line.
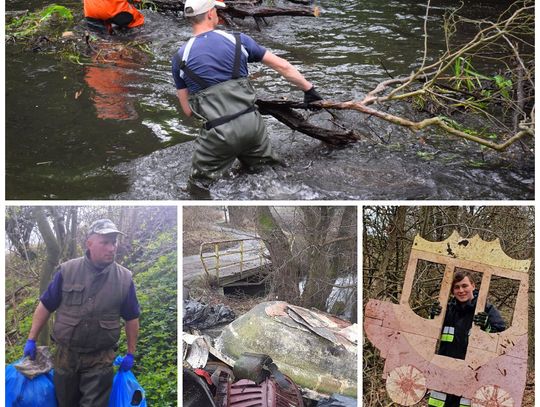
pixel 89 294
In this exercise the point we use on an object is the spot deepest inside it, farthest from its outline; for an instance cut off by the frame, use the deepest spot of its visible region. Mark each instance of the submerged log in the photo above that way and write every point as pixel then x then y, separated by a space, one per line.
pixel 284 112
pixel 242 9
pixel 264 11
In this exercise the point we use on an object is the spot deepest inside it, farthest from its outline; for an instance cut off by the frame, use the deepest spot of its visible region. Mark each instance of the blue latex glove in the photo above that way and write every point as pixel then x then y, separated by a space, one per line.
pixel 30 349
pixel 127 362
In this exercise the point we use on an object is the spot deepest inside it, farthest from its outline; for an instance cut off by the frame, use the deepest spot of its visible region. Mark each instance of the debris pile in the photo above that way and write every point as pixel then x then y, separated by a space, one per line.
pixel 276 351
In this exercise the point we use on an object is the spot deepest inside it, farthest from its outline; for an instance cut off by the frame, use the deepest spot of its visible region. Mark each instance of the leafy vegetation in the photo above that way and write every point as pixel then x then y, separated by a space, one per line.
pixel 28 25
pixel 156 361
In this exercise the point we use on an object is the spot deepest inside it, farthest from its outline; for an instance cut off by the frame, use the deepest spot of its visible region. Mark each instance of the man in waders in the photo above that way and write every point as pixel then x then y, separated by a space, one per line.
pixel 210 73
pixel 89 295
pixel 456 329
pixel 102 15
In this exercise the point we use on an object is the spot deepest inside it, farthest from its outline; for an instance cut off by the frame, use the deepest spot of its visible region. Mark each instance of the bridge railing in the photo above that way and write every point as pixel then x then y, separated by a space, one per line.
pixel 232 256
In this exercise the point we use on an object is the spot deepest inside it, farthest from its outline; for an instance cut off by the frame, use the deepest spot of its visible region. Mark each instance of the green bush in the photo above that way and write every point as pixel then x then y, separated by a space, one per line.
pixel 156 359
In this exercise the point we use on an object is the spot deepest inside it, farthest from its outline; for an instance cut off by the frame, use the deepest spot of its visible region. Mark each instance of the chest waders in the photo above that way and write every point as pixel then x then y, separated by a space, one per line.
pixel 232 126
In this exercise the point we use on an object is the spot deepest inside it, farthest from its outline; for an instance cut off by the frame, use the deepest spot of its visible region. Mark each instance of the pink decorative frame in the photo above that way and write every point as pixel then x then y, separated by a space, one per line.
pixel 494 370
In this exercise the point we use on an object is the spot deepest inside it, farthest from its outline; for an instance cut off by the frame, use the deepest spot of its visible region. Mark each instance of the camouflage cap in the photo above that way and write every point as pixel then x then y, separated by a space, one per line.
pixel 103 227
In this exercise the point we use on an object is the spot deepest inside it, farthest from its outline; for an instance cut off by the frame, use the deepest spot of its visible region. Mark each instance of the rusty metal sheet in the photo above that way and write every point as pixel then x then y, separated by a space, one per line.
pixel 310 324
pixel 326 326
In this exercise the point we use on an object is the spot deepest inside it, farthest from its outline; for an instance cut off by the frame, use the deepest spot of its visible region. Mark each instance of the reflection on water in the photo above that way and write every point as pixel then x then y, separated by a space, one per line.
pixel 110 92
pixel 68 126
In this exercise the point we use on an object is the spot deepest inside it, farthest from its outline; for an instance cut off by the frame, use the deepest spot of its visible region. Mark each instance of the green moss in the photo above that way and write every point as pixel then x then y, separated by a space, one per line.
pixel 266 222
pixel 30 24
pixel 303 356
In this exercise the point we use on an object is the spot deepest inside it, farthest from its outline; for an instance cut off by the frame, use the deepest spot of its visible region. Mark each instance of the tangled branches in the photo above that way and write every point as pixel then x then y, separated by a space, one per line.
pixel 452 83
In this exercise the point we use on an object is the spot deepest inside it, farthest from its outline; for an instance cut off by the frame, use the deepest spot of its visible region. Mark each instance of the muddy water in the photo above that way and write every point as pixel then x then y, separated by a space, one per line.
pixel 114 129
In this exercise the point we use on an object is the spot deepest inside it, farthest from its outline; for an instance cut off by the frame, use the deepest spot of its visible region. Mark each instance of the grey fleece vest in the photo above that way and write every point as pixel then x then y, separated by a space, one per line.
pixel 88 318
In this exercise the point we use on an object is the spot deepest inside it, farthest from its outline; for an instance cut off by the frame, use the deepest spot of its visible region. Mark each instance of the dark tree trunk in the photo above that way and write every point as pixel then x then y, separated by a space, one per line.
pixel 53 258
pixel 330 234
pixel 72 239
pixel 285 274
pixel 237 215
pixel 397 227
pixel 320 276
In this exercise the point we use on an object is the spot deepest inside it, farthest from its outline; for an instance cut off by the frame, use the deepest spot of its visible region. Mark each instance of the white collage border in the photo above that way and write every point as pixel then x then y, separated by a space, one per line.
pixel 180 204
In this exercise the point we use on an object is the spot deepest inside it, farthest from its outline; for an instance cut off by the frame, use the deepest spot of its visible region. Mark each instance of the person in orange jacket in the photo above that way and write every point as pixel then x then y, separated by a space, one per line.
pixel 105 13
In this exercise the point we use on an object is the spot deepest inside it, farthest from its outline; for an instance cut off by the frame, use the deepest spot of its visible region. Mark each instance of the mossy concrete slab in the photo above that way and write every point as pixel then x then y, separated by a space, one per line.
pixel 309 359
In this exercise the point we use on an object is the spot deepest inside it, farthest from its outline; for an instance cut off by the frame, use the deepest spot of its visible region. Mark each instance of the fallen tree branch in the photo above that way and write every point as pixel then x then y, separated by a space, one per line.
pixel 263 11
pixel 433 121
pixel 283 110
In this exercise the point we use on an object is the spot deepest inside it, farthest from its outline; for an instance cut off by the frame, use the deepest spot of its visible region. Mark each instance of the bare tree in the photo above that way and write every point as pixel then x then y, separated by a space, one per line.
pixel 19 225
pixel 313 252
pixel 285 275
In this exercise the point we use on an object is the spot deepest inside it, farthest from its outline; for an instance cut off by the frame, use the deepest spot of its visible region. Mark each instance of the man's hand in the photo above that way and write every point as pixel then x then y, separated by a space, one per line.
pixel 30 349
pixel 127 362
pixel 435 310
pixel 311 96
pixel 482 320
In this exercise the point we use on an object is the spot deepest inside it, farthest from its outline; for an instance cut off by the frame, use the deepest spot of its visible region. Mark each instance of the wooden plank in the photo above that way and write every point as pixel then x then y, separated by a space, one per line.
pixel 473 249
pixel 233 278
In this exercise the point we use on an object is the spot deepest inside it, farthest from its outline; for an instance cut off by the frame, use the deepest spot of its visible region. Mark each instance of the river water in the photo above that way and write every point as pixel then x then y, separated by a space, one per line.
pixel 112 129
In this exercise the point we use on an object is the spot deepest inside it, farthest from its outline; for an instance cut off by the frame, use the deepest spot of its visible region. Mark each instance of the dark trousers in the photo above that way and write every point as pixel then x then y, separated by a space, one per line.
pixel 122 20
pixel 83 379
pixel 452 401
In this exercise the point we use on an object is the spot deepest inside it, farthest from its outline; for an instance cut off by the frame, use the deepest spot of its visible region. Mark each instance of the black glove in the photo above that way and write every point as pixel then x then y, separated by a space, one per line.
pixel 311 96
pixel 482 320
pixel 435 310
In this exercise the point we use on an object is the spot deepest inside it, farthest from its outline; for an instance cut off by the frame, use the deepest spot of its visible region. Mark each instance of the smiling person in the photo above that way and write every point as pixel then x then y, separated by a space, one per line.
pixel 89 294
pixel 457 326
pixel 210 73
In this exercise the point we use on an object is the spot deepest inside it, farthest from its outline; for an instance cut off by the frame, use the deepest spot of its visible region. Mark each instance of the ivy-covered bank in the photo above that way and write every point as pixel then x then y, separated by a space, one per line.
pixel 156 360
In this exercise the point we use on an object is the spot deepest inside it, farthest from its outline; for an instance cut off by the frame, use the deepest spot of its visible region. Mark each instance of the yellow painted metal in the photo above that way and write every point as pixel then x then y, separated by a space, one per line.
pixel 220 256
pixel 216 249
pixel 241 255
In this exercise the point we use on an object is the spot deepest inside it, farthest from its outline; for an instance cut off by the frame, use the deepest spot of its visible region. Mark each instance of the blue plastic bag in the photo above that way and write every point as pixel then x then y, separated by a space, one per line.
pixel 24 392
pixel 126 390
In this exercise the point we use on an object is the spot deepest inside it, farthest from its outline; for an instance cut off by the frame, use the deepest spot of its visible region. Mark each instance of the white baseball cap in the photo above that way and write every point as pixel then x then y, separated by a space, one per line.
pixel 196 7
